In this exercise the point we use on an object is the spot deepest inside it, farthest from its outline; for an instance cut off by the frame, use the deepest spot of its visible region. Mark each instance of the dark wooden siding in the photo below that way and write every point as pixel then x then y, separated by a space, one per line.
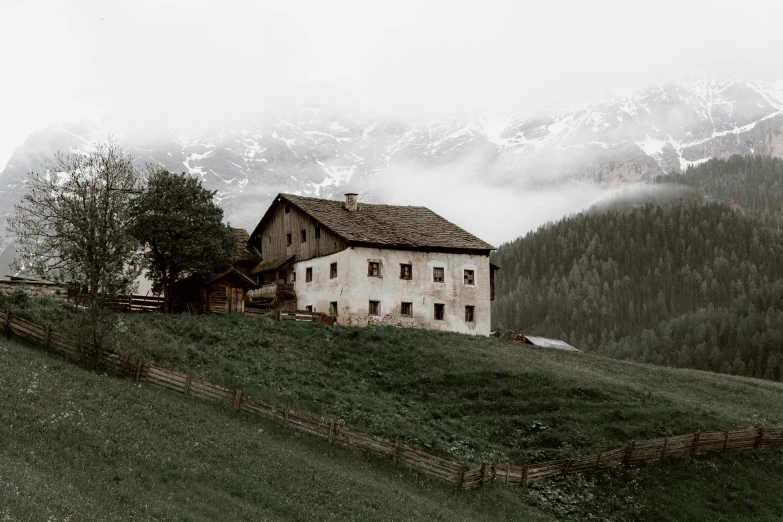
pixel 217 296
pixel 216 292
pixel 272 243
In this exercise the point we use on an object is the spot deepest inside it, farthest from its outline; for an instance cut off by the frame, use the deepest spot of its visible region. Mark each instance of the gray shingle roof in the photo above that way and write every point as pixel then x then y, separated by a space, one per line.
pixel 389 225
pixel 271 264
pixel 242 237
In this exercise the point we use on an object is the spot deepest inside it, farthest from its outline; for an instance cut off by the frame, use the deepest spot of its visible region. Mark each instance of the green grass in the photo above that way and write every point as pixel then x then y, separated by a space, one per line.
pixel 474 399
pixel 82 446
pixel 477 399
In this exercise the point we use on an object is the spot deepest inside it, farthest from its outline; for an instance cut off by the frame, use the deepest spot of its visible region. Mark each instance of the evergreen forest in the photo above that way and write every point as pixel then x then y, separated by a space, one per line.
pixel 693 282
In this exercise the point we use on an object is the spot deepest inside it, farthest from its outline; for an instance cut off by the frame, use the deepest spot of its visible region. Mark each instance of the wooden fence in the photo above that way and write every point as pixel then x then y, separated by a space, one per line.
pixel 136 303
pixel 440 468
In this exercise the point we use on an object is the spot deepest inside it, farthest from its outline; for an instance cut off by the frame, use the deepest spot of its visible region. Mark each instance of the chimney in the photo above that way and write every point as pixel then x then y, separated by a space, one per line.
pixel 351 202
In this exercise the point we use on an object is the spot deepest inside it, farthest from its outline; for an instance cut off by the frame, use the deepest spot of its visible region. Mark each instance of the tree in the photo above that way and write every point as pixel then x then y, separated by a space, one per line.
pixel 181 229
pixel 72 225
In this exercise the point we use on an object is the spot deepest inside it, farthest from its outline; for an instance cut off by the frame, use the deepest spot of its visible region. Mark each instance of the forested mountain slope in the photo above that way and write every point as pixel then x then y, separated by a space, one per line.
pixel 753 185
pixel 686 284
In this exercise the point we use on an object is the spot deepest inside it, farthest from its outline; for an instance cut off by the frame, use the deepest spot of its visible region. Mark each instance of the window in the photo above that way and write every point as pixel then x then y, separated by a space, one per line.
pixel 470 314
pixel 437 274
pixel 374 269
pixel 318 232
pixel 406 309
pixel 293 276
pixel 288 239
pixel 308 274
pixel 469 280
pixel 288 209
pixel 333 308
pixel 309 308
pixel 332 270
pixel 375 308
pixel 406 271
pixel 440 308
pixel 304 236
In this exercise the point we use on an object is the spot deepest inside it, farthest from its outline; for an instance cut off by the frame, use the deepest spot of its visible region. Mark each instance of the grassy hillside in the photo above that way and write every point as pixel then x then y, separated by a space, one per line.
pixel 488 399
pixel 82 446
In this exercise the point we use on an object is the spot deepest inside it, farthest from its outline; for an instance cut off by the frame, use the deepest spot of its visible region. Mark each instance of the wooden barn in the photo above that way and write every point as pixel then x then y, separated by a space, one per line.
pixel 222 292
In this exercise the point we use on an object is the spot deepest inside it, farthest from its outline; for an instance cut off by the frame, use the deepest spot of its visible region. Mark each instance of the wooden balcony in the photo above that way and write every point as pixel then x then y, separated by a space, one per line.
pixel 272 291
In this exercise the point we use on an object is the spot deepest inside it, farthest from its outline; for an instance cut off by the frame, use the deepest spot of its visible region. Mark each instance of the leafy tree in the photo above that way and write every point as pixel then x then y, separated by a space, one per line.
pixel 72 225
pixel 181 229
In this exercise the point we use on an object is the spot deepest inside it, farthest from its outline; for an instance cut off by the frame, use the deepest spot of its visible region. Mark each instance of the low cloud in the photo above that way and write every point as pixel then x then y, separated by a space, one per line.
pixel 494 213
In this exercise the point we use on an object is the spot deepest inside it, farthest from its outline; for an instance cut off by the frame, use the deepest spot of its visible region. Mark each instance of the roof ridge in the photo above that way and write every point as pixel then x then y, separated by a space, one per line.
pixel 285 194
pixel 391 226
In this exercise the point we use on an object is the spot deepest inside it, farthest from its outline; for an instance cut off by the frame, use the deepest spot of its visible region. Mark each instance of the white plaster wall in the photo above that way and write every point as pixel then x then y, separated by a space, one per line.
pixel 353 289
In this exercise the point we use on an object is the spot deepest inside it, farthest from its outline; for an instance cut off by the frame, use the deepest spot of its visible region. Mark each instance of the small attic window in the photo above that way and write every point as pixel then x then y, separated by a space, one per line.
pixel 303 233
pixel 288 239
pixel 288 209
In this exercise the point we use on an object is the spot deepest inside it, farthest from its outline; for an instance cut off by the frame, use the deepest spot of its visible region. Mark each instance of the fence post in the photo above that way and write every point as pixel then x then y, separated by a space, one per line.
pixel 524 476
pixel 629 453
pixel 138 367
pixel 237 399
pixel 759 438
pixel 461 480
pixel 332 429
pixel 187 384
pixel 695 443
pixel 48 336
pixel 279 315
pixel 7 323
pixel 396 453
pixel 663 451
pixel 598 461
pixel 567 467
pixel 492 472
pixel 483 472
pixel 285 421
pixel 725 441
pixel 507 473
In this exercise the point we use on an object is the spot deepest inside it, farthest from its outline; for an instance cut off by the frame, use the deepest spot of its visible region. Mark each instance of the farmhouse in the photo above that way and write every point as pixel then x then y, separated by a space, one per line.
pixel 374 264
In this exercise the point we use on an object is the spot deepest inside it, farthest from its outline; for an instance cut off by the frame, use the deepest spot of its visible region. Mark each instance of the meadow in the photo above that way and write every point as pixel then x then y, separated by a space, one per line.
pixel 478 399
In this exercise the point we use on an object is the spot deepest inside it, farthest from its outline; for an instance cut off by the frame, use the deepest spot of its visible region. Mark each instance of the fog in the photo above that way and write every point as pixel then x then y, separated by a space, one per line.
pixel 151 64
pixel 148 67
pixel 497 214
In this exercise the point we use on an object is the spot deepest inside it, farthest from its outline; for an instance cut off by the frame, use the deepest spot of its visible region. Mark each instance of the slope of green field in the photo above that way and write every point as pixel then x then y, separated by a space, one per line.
pixel 75 445
pixel 473 399
pixel 477 399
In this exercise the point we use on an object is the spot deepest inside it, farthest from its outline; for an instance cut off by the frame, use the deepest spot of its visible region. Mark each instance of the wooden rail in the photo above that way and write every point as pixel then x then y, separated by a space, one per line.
pixel 443 469
pixel 135 303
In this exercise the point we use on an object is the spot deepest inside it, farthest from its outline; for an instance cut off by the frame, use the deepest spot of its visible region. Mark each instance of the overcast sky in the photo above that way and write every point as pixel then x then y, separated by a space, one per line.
pixel 153 63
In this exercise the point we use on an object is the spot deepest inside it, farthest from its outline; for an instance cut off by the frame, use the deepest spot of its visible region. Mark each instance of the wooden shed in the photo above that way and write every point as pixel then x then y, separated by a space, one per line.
pixel 223 292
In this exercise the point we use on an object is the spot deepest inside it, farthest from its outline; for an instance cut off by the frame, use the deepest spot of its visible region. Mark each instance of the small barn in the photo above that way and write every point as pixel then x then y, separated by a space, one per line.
pixel 222 292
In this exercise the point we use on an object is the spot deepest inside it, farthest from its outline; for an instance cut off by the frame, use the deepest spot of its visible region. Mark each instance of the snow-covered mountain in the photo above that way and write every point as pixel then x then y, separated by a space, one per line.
pixel 322 151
